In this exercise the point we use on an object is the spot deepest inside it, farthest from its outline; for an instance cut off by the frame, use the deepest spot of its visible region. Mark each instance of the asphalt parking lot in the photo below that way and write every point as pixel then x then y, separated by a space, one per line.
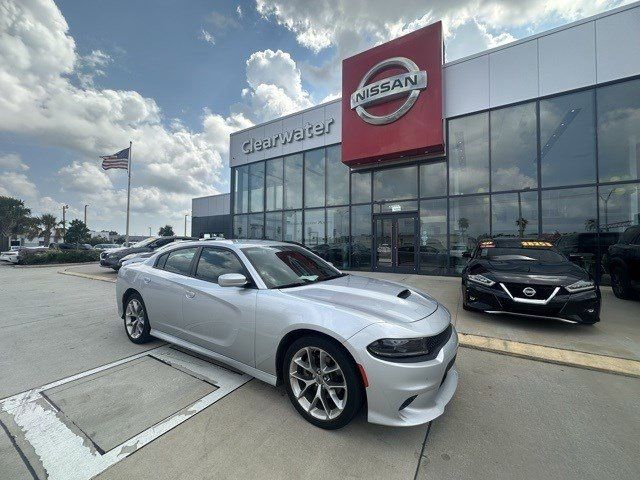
pixel 510 418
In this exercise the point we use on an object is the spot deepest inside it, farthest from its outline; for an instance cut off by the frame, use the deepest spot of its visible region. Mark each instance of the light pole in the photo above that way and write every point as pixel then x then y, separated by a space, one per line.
pixel 64 220
pixel 606 209
pixel 185 224
pixel 85 215
pixel 149 231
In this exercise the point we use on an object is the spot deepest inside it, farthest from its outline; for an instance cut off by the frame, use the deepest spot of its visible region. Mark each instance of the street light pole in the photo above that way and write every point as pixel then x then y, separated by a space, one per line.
pixel 64 220
pixel 149 231
pixel 185 224
pixel 85 214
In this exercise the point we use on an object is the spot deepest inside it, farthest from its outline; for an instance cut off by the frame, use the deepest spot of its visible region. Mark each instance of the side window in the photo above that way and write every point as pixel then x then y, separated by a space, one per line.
pixel 179 261
pixel 215 262
pixel 162 259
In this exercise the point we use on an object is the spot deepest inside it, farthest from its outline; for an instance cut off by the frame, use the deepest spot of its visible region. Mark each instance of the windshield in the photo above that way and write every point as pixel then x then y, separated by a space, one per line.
pixel 526 254
pixel 282 266
pixel 144 243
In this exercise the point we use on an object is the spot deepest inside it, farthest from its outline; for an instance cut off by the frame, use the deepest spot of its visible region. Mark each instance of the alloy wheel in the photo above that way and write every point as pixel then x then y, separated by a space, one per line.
pixel 318 383
pixel 134 318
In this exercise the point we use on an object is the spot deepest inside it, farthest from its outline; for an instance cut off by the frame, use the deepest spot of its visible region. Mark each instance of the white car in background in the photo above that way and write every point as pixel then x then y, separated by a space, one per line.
pixel 142 256
pixel 11 256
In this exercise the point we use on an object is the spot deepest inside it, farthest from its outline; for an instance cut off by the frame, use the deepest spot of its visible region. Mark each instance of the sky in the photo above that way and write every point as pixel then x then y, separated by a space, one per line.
pixel 80 79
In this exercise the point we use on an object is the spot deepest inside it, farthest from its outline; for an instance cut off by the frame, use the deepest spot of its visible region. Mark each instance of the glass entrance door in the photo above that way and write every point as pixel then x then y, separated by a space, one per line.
pixel 396 242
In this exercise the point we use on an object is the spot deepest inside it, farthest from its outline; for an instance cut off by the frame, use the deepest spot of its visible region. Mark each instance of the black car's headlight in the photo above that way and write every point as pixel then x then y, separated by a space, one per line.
pixel 580 286
pixel 481 279
pixel 399 347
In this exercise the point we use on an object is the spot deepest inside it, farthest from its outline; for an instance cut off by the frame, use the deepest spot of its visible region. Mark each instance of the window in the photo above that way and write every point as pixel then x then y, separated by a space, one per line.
pixel 569 220
pixel 338 237
pixel 293 226
pixel 314 234
pixel 293 181
pixel 288 266
pixel 162 259
pixel 273 226
pixel 179 261
pixel 361 187
pixel 433 179
pixel 514 145
pixel 314 178
pixel 256 226
pixel 214 262
pixel 256 187
pixel 433 236
pixel 240 226
pixel 395 183
pixel 567 140
pixel 241 189
pixel 275 184
pixel 514 214
pixel 468 223
pixel 361 236
pixel 619 207
pixel 619 131
pixel 469 154
pixel 337 177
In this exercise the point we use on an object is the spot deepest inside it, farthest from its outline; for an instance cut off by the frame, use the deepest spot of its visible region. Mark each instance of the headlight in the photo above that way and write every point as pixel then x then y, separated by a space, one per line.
pixel 399 347
pixel 580 286
pixel 481 279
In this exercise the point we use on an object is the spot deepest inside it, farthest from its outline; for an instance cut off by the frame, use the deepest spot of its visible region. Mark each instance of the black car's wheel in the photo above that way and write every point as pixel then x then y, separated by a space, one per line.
pixel 322 382
pixel 136 322
pixel 620 283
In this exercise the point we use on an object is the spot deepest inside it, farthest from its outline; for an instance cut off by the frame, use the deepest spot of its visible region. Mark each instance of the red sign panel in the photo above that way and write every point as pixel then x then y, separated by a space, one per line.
pixel 392 99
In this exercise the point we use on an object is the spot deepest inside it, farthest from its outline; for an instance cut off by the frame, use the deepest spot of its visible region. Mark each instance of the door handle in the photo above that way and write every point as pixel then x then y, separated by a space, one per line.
pixel 190 294
pixel 146 280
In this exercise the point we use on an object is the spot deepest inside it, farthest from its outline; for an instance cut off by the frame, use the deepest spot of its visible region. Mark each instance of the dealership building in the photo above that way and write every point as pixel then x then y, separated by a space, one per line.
pixel 420 159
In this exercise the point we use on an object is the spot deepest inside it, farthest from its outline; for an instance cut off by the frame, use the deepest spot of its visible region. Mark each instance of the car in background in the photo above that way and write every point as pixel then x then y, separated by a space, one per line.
pixel 142 256
pixel 70 246
pixel 624 264
pixel 528 278
pixel 10 256
pixel 106 246
pixel 112 258
pixel 284 315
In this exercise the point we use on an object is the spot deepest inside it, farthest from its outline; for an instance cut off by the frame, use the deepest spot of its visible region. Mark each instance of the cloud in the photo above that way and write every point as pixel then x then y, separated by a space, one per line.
pixel 206 37
pixel 239 11
pixel 275 86
pixel 222 22
pixel 12 161
pixel 14 184
pixel 38 59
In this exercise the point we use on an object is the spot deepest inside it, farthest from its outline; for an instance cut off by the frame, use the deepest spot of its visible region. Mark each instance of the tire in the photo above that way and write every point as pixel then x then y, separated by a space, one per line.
pixel 136 321
pixel 331 410
pixel 620 283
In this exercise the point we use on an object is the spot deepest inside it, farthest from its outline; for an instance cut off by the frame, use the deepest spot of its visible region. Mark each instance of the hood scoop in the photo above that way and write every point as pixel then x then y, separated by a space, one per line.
pixel 404 293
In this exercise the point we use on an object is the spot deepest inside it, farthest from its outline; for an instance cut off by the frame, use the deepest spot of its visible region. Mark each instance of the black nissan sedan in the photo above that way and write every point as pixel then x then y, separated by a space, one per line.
pixel 529 278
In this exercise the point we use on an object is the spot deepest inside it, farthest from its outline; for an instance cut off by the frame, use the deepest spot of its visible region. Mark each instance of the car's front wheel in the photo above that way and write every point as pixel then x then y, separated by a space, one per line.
pixel 136 322
pixel 322 382
pixel 620 283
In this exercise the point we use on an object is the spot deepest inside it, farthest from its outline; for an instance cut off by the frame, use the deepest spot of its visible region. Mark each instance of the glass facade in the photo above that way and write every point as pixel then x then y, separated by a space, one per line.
pixel 564 168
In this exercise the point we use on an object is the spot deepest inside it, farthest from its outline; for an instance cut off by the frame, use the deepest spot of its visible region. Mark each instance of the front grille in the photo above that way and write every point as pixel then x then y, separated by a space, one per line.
pixel 542 291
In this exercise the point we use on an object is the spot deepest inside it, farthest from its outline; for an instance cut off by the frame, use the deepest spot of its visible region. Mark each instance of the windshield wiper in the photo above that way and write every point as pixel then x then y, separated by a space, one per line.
pixel 332 277
pixel 294 284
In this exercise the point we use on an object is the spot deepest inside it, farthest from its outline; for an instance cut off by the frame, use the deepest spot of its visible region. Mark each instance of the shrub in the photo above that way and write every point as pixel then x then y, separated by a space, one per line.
pixel 58 256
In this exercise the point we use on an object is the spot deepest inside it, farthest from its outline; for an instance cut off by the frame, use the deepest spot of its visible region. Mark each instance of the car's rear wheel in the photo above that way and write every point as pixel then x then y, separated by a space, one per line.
pixel 136 322
pixel 620 283
pixel 322 382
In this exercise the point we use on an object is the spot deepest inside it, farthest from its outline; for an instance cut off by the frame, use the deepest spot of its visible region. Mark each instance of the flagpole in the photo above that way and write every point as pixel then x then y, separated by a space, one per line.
pixel 128 193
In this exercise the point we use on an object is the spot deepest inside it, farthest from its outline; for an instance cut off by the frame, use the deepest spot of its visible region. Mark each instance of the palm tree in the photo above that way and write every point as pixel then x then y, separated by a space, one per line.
pixel 522 225
pixel 50 227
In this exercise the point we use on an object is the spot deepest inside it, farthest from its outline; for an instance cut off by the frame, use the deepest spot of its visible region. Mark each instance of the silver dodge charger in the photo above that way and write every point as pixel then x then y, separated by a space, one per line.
pixel 278 312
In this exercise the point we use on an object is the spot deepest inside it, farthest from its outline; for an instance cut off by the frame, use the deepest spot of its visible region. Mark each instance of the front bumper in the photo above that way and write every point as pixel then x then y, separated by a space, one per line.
pixel 582 307
pixel 407 394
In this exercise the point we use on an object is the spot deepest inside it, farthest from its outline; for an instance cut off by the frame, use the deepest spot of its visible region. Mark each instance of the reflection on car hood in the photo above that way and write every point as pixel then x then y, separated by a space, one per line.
pixel 370 296
pixel 533 272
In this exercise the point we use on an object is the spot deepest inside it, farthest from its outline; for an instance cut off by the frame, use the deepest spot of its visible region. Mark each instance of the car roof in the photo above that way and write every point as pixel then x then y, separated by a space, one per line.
pixel 233 244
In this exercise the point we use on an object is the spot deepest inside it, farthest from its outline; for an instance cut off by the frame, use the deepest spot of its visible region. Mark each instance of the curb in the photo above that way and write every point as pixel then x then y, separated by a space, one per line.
pixel 86 275
pixel 541 353
pixel 47 265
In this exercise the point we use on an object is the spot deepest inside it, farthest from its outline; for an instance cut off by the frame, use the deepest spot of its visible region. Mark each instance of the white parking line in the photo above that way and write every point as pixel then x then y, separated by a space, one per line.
pixel 65 453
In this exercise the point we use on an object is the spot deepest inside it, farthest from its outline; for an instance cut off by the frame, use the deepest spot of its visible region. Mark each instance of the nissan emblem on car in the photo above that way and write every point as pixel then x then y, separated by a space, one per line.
pixel 387 89
pixel 529 292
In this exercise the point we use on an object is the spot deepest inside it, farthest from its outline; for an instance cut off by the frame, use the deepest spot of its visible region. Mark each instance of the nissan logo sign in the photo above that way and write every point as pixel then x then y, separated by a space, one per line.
pixel 529 292
pixel 387 89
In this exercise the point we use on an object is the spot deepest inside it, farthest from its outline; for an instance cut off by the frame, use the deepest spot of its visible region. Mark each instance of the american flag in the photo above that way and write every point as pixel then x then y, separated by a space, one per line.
pixel 117 160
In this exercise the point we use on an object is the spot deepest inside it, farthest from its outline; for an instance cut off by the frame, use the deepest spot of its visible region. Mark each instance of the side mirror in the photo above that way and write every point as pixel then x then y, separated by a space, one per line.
pixel 466 254
pixel 232 280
